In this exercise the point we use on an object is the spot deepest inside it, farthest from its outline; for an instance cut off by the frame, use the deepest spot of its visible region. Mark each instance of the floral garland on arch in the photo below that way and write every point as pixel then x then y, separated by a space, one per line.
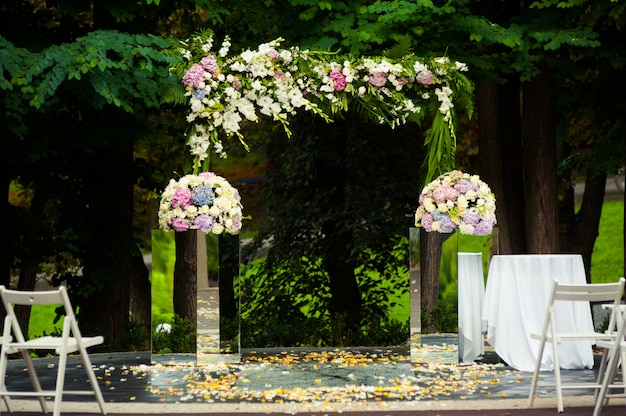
pixel 457 200
pixel 223 90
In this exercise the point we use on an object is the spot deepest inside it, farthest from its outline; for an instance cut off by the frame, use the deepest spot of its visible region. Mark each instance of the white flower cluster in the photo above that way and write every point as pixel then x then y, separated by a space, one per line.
pixel 205 202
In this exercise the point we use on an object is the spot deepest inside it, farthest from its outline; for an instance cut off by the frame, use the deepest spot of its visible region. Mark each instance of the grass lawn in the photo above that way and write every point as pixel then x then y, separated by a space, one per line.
pixel 607 262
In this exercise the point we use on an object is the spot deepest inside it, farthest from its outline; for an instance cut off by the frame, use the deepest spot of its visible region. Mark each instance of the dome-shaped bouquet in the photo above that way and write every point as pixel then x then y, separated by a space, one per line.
pixel 457 200
pixel 205 202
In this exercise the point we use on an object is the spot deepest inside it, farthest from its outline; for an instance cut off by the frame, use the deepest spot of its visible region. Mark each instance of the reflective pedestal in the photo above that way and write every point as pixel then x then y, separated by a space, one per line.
pixel 214 298
pixel 464 260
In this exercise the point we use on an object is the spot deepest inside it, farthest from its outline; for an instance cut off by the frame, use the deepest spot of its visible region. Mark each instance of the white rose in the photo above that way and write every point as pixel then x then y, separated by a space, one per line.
pixel 217 228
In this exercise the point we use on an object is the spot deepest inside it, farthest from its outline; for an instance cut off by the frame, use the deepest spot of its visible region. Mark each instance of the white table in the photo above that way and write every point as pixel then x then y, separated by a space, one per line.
pixel 516 298
pixel 471 293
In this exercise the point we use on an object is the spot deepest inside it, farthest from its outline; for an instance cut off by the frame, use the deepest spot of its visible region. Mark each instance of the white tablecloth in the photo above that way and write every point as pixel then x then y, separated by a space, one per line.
pixel 471 293
pixel 516 298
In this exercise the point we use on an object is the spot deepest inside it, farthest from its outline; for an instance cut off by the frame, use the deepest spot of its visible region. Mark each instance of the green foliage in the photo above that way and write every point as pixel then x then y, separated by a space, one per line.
pixel 122 69
pixel 135 337
pixel 181 338
pixel 442 318
pixel 289 305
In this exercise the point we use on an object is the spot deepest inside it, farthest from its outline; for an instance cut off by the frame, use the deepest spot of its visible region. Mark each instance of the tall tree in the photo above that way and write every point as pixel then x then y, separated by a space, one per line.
pixel 69 71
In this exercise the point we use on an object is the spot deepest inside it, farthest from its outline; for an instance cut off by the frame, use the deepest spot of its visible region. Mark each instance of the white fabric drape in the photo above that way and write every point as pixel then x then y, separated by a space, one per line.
pixel 471 294
pixel 516 298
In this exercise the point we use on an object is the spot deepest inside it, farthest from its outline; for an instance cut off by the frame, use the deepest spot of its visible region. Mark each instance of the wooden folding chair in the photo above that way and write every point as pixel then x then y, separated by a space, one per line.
pixel 69 342
pixel 616 355
pixel 598 292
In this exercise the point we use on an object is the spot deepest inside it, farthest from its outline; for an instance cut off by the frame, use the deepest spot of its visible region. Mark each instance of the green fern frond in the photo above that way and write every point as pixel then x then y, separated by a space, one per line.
pixel 401 49
pixel 173 95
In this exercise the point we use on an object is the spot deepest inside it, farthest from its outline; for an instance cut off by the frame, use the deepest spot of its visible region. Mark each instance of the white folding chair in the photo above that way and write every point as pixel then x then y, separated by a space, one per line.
pixel 616 355
pixel 70 341
pixel 595 292
pixel 5 399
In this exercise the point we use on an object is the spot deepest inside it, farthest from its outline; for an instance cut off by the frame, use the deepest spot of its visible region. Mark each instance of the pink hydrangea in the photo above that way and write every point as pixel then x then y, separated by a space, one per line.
pixel 273 54
pixel 445 193
pixel 279 75
pixel 209 63
pixel 194 76
pixel 378 79
pixel 181 198
pixel 339 79
pixel 236 84
pixel 179 225
pixel 424 78
pixel 402 81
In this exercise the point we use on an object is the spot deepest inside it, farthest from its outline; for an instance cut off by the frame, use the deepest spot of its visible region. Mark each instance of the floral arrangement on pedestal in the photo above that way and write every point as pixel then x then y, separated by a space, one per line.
pixel 205 202
pixel 457 200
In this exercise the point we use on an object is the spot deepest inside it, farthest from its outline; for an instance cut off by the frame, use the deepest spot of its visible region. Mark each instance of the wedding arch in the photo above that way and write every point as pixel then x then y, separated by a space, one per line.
pixel 223 90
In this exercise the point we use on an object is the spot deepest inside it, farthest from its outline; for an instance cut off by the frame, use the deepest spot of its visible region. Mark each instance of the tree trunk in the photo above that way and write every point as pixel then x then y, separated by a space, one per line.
pixel 580 230
pixel 140 300
pixel 430 255
pixel 108 264
pixel 540 174
pixel 186 275
pixel 499 138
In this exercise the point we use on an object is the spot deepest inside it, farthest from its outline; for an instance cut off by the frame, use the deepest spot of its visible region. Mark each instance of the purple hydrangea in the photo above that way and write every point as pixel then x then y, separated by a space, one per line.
pixel 472 218
pixel 204 222
pixel 463 186
pixel 339 79
pixel 483 228
pixel 427 221
pixel 202 195
pixel 209 63
pixel 181 198
pixel 179 225
pixel 446 225
pixel 194 76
